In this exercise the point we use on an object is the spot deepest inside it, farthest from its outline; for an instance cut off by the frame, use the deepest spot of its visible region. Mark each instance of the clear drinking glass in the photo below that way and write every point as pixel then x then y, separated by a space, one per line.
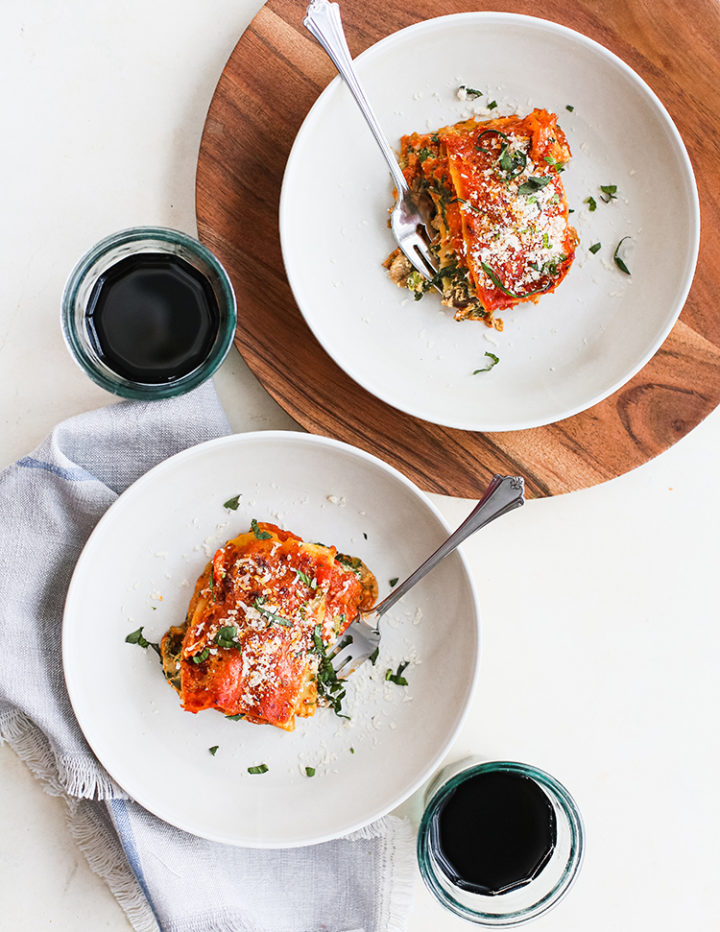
pixel 98 261
pixel 520 904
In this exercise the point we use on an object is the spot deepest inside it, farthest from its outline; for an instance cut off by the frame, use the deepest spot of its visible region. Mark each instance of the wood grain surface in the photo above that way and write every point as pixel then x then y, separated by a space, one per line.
pixel 271 80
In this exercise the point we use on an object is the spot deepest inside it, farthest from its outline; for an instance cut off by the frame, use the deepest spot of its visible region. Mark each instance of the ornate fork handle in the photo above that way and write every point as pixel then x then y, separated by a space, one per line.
pixel 322 19
pixel 504 494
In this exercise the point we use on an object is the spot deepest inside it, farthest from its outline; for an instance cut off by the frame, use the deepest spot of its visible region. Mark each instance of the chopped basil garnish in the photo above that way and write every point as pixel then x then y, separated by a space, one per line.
pixel 591 202
pixel 487 132
pixel 494 360
pixel 394 581
pixel 261 768
pixel 374 656
pixel 492 105
pixel 271 616
pixel 226 637
pixel 235 718
pixel 397 677
pixel 310 771
pixel 470 91
pixel 495 279
pixel 553 163
pixel 365 534
pixel 417 283
pixel 232 503
pixel 618 261
pixel 352 750
pixel 213 750
pixel 303 577
pixel 137 637
pixel 610 190
pixel 510 161
pixel 424 154
pixel 595 247
pixel 203 655
pixel 352 563
pixel 211 581
pixel 328 685
pixel 261 535
pixel 569 107
pixel 467 203
pixel 534 183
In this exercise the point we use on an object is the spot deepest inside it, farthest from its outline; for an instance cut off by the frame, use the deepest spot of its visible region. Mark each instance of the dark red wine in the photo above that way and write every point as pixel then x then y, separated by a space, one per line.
pixel 152 317
pixel 494 833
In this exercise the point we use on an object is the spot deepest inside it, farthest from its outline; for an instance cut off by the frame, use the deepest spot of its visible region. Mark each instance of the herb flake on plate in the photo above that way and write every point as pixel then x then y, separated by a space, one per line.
pixel 618 261
pixel 137 637
pixel 233 503
pixel 309 771
pixel 397 677
pixel 494 360
pixel 595 247
pixel 261 768
pixel 214 749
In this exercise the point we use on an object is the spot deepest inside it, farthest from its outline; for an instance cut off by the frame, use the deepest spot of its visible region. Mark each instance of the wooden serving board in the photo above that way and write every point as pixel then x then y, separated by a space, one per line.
pixel 271 80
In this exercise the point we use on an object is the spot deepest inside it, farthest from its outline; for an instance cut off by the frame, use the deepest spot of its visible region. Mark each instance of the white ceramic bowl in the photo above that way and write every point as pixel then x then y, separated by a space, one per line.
pixel 139 567
pixel 576 346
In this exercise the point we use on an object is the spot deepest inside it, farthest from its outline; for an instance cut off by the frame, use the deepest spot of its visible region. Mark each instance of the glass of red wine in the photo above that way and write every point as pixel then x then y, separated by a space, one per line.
pixel 499 842
pixel 149 313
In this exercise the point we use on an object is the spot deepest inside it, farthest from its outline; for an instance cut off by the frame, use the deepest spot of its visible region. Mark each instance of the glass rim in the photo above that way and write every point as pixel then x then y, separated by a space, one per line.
pixel 558 793
pixel 117 384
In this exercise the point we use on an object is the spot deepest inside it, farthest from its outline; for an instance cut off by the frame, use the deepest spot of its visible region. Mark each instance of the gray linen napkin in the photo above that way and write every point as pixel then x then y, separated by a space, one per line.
pixel 162 877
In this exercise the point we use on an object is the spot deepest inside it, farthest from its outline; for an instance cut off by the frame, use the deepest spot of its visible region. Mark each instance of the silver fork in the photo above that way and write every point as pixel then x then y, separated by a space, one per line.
pixel 362 638
pixel 323 20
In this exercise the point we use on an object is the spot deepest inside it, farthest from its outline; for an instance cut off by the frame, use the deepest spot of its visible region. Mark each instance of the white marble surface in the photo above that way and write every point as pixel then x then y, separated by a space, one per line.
pixel 600 628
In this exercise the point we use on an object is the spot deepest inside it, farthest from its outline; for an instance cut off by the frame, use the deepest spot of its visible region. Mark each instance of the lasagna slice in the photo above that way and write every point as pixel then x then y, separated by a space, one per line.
pixel 264 614
pixel 498 212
